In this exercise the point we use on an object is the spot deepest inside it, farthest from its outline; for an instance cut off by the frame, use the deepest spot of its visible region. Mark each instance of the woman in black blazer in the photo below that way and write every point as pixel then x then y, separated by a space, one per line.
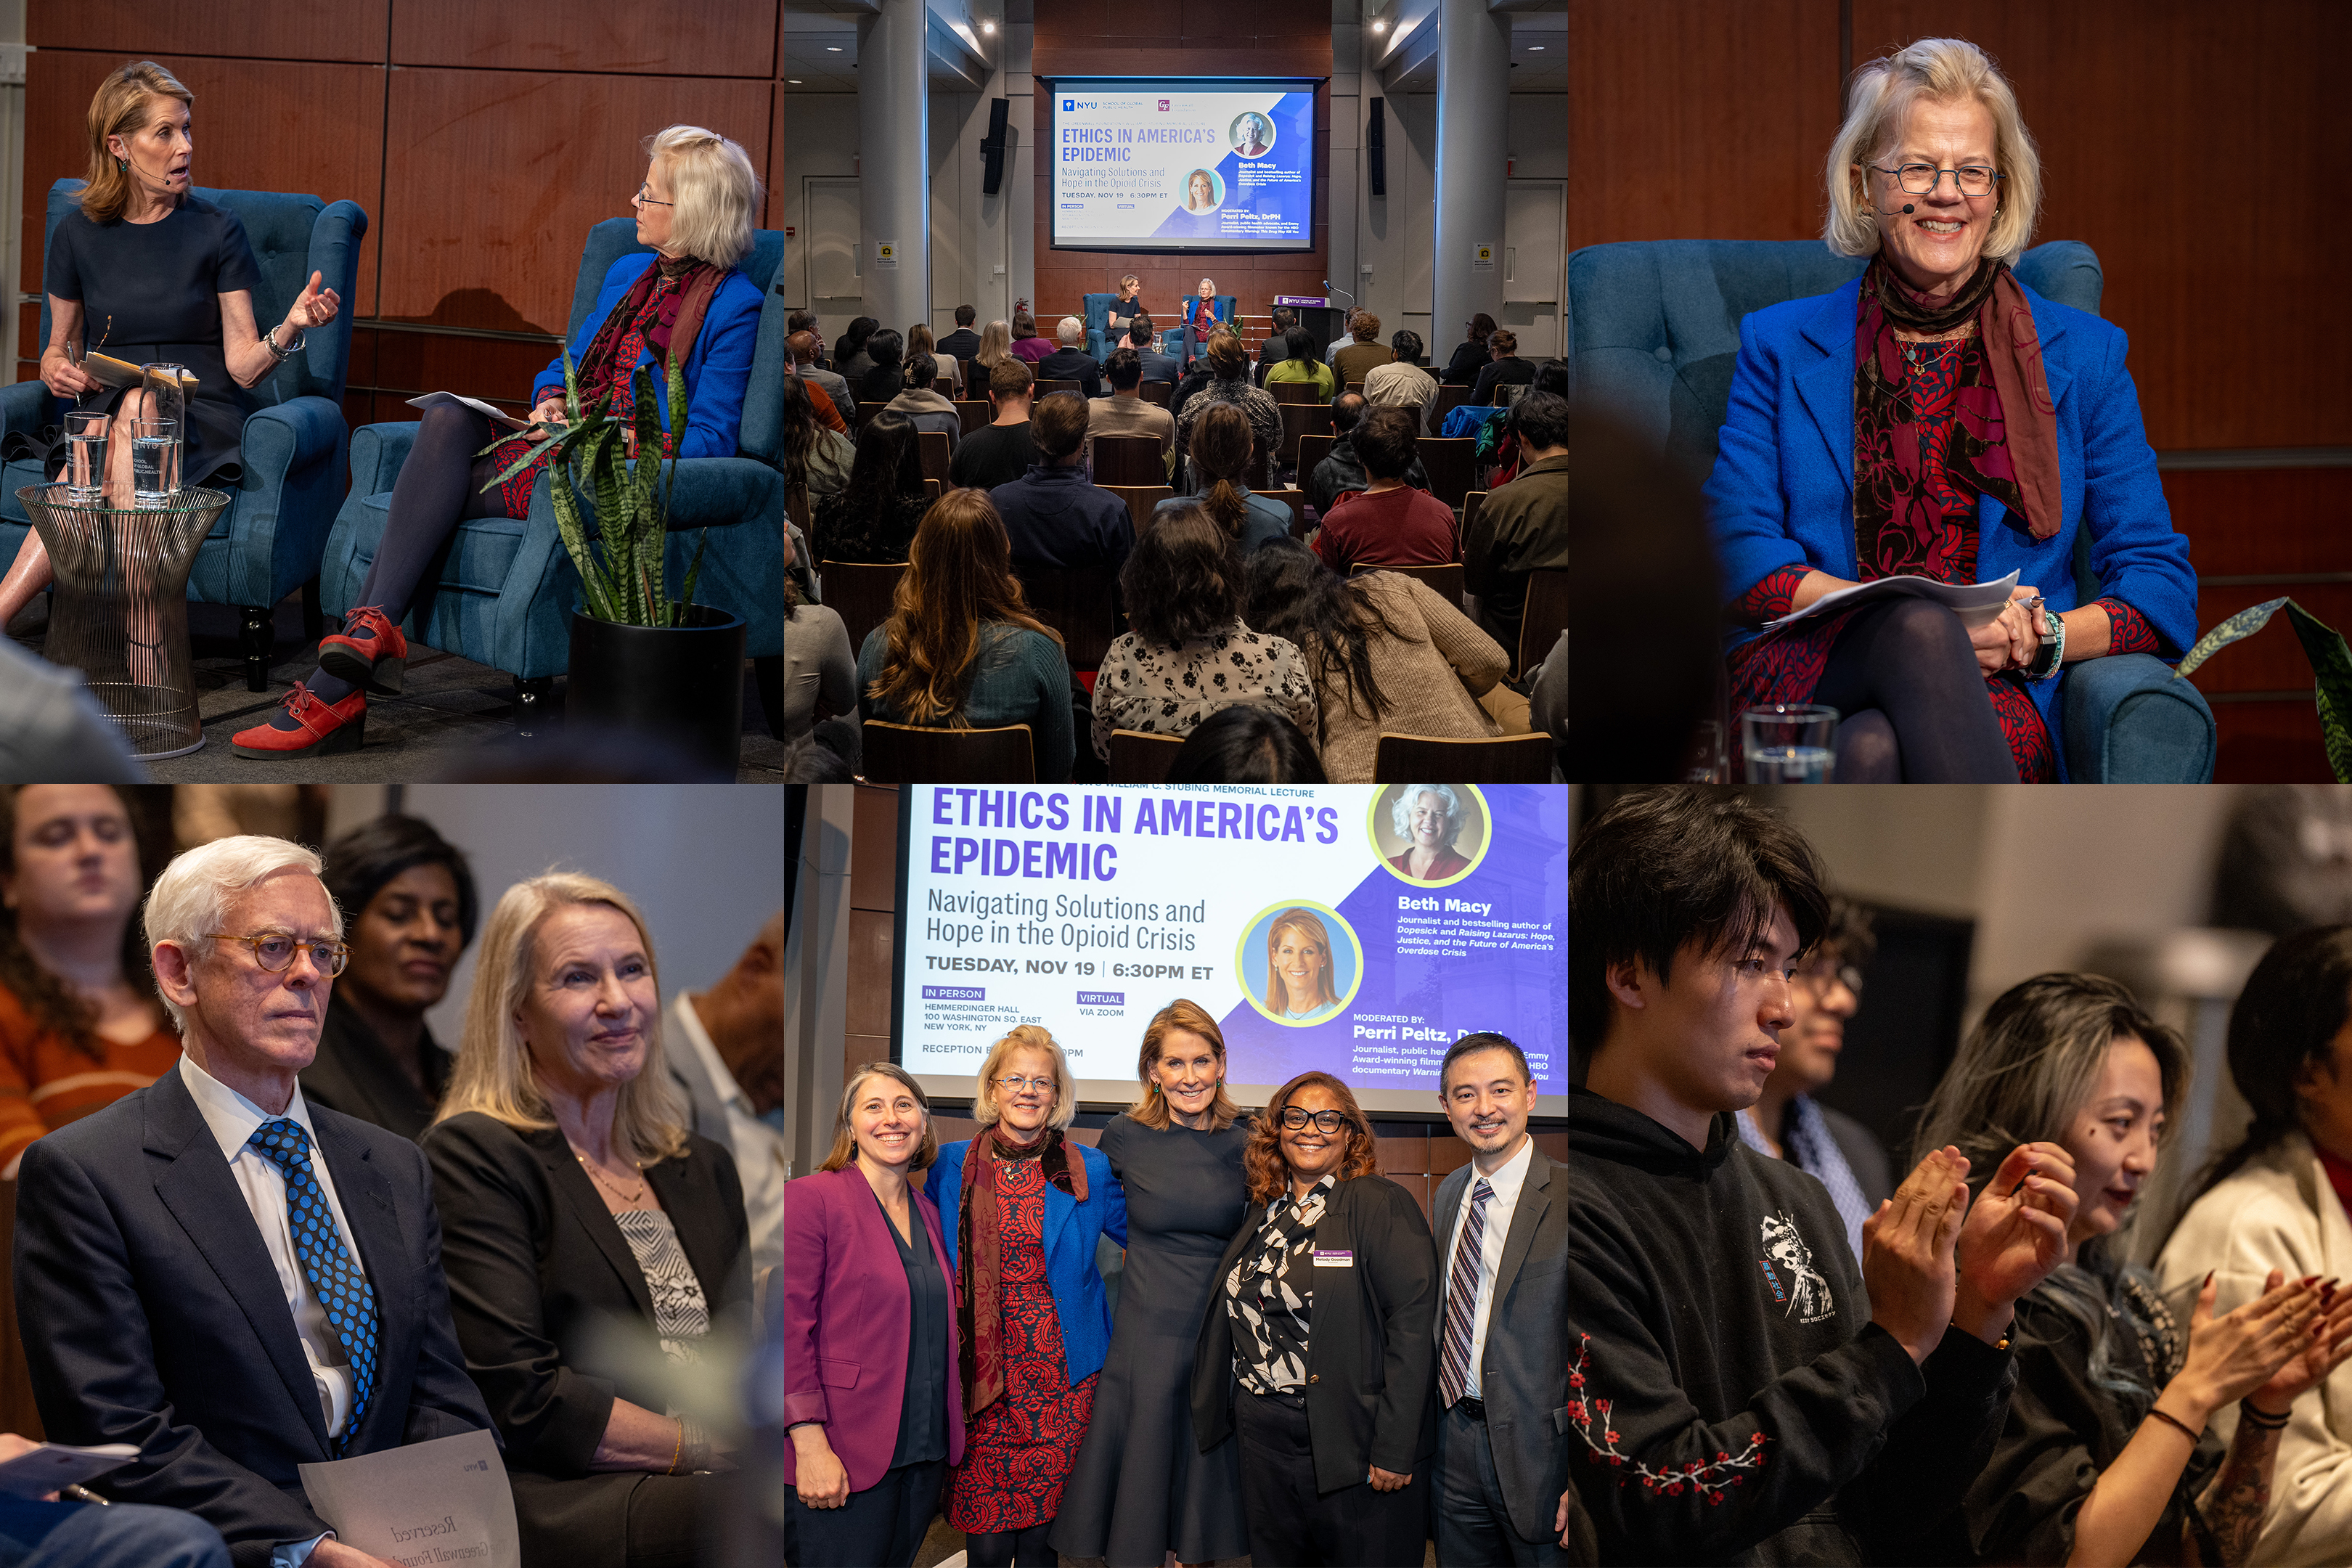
pixel 1318 1346
pixel 571 1198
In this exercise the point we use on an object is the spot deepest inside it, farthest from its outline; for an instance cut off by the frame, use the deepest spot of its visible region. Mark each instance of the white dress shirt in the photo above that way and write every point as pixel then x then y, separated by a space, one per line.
pixel 758 1148
pixel 1506 1184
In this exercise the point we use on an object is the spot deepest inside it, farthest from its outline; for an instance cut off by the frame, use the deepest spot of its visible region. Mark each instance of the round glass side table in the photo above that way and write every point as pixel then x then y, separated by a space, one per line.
pixel 120 608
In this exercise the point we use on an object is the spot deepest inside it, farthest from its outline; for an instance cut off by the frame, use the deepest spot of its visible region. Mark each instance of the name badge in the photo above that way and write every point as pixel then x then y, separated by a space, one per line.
pixel 1334 1258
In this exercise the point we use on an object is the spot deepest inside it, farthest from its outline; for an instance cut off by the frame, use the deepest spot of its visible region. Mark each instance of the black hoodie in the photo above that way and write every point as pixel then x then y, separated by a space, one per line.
pixel 1753 1413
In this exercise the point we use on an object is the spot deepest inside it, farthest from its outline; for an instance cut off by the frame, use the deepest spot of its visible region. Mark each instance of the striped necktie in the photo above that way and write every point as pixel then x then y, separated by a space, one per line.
pixel 1462 1297
pixel 333 1269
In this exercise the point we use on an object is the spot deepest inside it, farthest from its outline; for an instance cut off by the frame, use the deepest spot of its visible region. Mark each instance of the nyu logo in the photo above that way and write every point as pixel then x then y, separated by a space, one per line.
pixel 1068 104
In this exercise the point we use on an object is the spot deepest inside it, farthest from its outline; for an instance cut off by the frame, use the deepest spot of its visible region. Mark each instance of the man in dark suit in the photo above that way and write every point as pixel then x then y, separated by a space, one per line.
pixel 1156 366
pixel 229 1279
pixel 1503 1493
pixel 1071 362
pixel 964 342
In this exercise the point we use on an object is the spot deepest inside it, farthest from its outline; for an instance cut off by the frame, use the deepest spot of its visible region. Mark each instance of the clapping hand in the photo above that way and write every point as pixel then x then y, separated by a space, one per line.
pixel 1908 1262
pixel 315 307
pixel 2015 1233
pixel 2327 1346
pixel 2242 1351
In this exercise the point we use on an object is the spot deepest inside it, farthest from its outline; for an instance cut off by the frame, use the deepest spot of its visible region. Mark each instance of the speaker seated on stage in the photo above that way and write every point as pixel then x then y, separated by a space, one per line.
pixel 1070 362
pixel 1363 354
pixel 1341 475
pixel 1156 366
pixel 1056 518
pixel 1507 368
pixel 1390 523
pixel 924 405
pixel 964 342
pixel 1299 364
pixel 1402 383
pixel 1001 450
pixel 1125 412
pixel 1203 313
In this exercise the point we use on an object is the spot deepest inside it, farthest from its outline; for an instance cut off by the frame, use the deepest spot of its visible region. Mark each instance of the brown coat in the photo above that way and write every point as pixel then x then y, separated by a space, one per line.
pixel 1430 677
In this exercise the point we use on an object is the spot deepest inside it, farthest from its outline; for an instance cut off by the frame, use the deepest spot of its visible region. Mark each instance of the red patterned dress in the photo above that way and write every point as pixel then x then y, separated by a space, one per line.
pixel 616 373
pixel 1018 1451
pixel 1785 666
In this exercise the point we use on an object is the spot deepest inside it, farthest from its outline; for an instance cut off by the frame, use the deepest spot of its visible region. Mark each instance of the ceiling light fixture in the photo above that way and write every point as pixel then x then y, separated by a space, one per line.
pixel 1534 49
pixel 1379 27
pixel 988 27
pixel 833 48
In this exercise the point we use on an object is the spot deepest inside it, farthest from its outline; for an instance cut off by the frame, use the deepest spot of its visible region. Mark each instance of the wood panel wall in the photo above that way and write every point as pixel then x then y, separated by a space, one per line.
pixel 1194 38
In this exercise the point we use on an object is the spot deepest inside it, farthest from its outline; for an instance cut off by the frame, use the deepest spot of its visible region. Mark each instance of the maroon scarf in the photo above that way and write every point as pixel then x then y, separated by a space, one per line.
pixel 2004 438
pixel 677 319
pixel 980 1347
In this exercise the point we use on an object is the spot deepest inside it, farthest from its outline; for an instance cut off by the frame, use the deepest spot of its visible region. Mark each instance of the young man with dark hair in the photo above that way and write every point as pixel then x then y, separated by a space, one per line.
pixel 964 342
pixel 1522 527
pixel 1156 366
pixel 1390 523
pixel 1276 347
pixel 1125 412
pixel 1739 1397
pixel 1056 518
pixel 921 401
pixel 1001 450
pixel 1402 383
pixel 1340 475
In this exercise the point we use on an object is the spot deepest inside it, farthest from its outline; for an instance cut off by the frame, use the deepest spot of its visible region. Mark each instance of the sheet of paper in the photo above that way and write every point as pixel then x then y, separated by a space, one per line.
pixel 422 1505
pixel 42 1471
pixel 489 411
pixel 1976 603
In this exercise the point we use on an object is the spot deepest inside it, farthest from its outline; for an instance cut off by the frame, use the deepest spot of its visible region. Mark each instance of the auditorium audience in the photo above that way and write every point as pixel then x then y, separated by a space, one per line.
pixel 1001 450
pixel 1362 356
pixel 1156 366
pixel 1056 518
pixel 868 1285
pixel 80 1026
pixel 1071 362
pixel 409 897
pixel 1402 383
pixel 805 346
pixel 1228 381
pixel 1142 1487
pixel 572 1198
pixel 819 664
pixel 1472 355
pixel 1189 653
pixel 682 299
pixel 1507 368
pixel 961 648
pixel 1021 1209
pixel 1389 523
pixel 2107 1455
pixel 946 370
pixel 813 455
pixel 887 351
pixel 727 1061
pixel 1125 412
pixel 1221 458
pixel 1246 746
pixel 874 516
pixel 964 342
pixel 1385 651
pixel 1966 472
pixel 1327 1375
pixel 850 360
pixel 1299 364
pixel 1026 343
pixel 1521 527
pixel 922 404
pixel 212 1270
pixel 1341 474
pixel 995 345
pixel 2275 1201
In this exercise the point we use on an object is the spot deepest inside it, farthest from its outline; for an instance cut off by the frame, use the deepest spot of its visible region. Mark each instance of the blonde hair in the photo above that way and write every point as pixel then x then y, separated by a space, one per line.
pixel 1150 1106
pixel 845 1143
pixel 493 1074
pixel 995 343
pixel 1027 1037
pixel 1942 70
pixel 715 192
pixel 190 899
pixel 1308 924
pixel 120 108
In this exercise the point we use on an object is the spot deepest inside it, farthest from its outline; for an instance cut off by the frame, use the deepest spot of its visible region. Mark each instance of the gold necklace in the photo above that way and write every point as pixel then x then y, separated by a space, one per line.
pixel 612 1186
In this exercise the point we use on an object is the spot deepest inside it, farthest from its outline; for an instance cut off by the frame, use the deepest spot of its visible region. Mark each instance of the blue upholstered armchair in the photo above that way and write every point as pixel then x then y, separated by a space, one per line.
pixel 271 536
pixel 1653 333
pixel 1096 311
pixel 503 592
pixel 1225 305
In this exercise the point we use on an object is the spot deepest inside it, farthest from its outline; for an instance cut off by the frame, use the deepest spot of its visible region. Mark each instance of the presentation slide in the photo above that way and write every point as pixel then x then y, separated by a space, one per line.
pixel 1359 929
pixel 1191 165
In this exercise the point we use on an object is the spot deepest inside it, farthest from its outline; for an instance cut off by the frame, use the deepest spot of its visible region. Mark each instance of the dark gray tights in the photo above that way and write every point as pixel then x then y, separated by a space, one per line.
pixel 1903 673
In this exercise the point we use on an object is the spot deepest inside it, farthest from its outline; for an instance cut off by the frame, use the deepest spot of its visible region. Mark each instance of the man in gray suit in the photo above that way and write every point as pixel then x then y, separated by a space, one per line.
pixel 1503 1492
pixel 726 1053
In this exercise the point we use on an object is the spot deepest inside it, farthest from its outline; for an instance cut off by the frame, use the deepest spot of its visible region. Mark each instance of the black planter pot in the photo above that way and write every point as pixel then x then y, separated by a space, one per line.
pixel 683 684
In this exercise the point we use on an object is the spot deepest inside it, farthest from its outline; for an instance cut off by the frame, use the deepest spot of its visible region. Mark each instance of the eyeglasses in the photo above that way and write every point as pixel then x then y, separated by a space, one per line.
pixel 275 951
pixel 1326 1122
pixel 644 197
pixel 1921 179
pixel 1822 978
pixel 1023 1085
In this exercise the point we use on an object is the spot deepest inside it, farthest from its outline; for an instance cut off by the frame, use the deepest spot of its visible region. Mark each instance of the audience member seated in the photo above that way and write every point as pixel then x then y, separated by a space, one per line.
pixel 1473 355
pixel 887 350
pixel 1276 347
pixel 1522 526
pixel 850 360
pixel 875 515
pixel 945 371
pixel 1156 366
pixel 1385 651
pixel 1507 368
pixel 1071 362
pixel 1341 474
pixel 580 1223
pixel 231 1280
pixel 1055 519
pixel 813 455
pixel 1190 654
pixel 810 323
pixel 964 342
pixel 46 1532
pixel 995 345
pixel 1299 364
pixel 1001 450
pixel 409 896
pixel 1228 381
pixel 684 301
pixel 1026 343
pixel 960 649
pixel 805 347
pixel 1510 450
pixel 1388 523
pixel 1220 455
pixel 819 663
pixel 80 1024
pixel 1364 355
pixel 1124 412
pixel 1400 382
pixel 1245 744
pixel 727 1059
pixel 923 404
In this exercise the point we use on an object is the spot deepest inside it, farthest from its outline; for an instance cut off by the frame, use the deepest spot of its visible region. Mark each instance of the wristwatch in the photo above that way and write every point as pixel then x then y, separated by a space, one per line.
pixel 2054 647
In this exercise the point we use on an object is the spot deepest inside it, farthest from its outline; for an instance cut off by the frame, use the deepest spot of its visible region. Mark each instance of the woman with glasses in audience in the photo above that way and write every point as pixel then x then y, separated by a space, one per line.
pixel 1319 1347
pixel 1471 355
pixel 1023 1207
pixel 80 1026
pixel 573 1201
pixel 1937 418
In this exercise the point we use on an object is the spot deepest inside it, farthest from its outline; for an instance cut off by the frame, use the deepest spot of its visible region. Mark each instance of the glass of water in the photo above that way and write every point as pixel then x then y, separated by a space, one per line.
pixel 154 462
pixel 1787 742
pixel 85 476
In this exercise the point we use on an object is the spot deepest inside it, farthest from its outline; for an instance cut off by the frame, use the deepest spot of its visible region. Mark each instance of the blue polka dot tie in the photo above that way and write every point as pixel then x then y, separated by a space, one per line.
pixel 333 1272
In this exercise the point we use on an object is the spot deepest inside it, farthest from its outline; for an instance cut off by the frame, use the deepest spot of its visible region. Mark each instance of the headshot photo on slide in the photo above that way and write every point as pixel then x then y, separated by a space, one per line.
pixel 1204 191
pixel 1299 963
pixel 1251 134
pixel 1430 835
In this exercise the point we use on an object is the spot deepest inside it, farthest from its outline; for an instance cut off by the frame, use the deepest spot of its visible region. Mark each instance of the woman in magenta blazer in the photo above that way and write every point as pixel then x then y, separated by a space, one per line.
pixel 872 1399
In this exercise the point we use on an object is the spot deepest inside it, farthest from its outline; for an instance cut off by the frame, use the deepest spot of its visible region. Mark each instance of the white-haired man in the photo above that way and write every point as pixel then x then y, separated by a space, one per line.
pixel 209 1269
pixel 1071 362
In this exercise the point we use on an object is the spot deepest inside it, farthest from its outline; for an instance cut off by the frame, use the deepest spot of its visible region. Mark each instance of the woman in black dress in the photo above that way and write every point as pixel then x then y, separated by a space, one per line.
pixel 1141 1486
pixel 148 273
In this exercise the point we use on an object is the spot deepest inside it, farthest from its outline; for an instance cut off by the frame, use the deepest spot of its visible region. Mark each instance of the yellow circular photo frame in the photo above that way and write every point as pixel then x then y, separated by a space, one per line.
pixel 1372 826
pixel 1253 927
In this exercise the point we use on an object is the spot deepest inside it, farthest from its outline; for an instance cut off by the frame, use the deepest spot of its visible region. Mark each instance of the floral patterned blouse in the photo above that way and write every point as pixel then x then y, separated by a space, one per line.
pixel 1167 691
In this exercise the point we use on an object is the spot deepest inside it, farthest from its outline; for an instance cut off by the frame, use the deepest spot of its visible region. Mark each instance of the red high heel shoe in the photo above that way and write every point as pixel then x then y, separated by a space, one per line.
pixel 369 652
pixel 306 727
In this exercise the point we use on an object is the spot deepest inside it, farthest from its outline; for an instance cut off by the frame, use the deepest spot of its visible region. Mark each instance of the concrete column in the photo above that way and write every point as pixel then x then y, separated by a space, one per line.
pixel 894 170
pixel 816 976
pixel 1473 86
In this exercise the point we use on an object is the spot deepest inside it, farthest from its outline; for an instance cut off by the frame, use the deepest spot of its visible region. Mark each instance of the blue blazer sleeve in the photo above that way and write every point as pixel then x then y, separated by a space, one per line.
pixel 1748 504
pixel 718 372
pixel 943 1184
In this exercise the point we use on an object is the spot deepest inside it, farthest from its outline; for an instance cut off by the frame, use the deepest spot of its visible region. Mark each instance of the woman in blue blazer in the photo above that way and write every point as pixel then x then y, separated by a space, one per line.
pixel 1023 1209
pixel 684 296
pixel 1990 427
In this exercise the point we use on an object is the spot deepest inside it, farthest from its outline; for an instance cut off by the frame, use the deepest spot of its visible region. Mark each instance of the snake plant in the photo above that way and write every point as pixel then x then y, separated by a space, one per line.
pixel 2331 668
